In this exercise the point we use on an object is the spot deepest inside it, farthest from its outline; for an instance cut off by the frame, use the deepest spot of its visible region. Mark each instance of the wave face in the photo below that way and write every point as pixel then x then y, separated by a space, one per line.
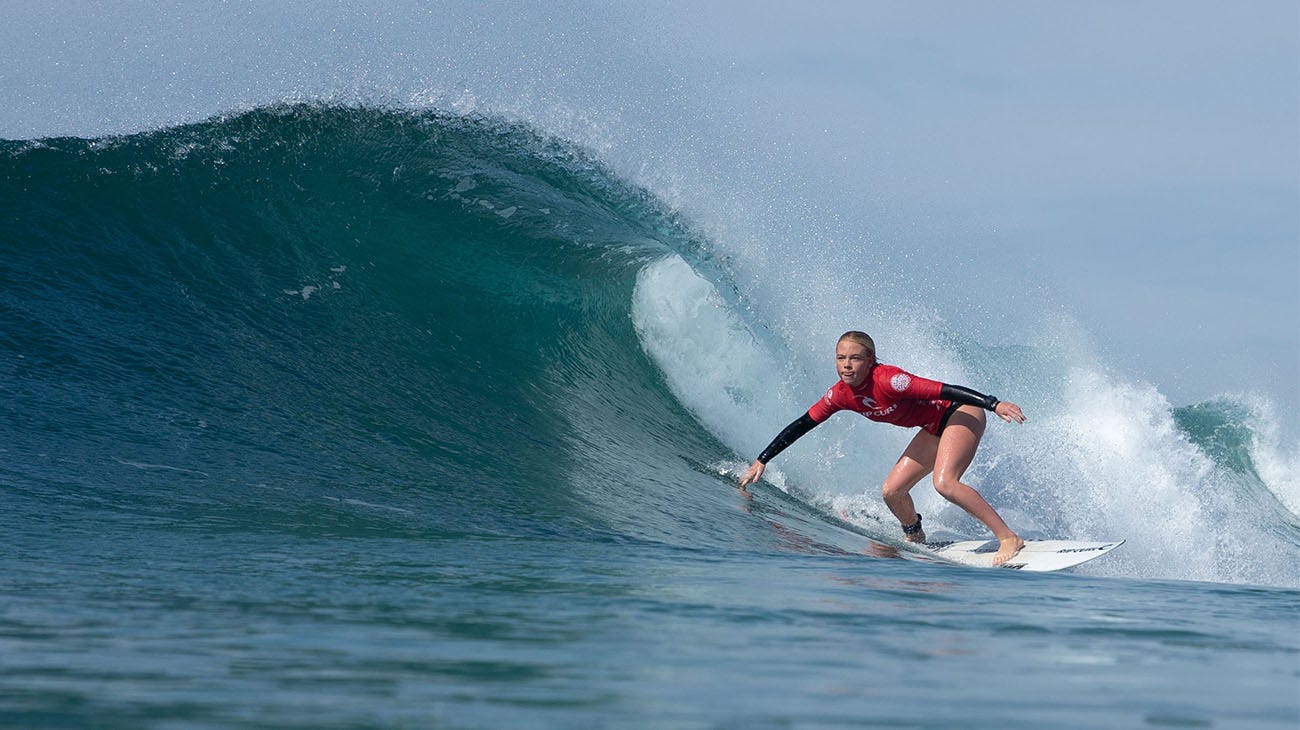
pixel 338 319
pixel 347 320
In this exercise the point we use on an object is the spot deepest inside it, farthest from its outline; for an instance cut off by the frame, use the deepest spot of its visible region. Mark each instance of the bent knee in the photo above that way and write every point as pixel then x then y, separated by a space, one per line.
pixel 947 487
pixel 891 490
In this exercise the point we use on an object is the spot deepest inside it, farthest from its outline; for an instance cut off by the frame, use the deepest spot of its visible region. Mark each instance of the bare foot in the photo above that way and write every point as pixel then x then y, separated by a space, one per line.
pixel 1007 548
pixel 918 536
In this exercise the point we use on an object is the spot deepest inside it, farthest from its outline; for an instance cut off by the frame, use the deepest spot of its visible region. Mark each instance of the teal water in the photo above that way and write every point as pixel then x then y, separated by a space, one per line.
pixel 322 416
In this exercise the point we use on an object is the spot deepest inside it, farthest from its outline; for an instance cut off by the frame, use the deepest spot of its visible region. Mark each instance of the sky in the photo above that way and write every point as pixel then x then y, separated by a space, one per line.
pixel 1135 165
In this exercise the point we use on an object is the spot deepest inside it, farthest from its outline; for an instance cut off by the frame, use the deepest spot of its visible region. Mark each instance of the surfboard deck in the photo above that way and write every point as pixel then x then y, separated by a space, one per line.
pixel 1041 556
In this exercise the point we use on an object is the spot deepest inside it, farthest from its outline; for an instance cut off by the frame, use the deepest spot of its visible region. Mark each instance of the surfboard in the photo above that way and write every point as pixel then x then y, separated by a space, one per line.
pixel 1036 556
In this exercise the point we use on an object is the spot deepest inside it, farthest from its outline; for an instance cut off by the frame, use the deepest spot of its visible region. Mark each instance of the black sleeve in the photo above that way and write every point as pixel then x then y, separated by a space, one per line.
pixel 798 427
pixel 968 397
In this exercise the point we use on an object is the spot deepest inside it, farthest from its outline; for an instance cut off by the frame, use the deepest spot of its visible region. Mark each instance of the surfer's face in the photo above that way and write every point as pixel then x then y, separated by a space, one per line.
pixel 853 361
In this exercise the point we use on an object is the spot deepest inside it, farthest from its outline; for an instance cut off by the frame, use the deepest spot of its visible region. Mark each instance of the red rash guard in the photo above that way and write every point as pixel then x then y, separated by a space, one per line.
pixel 888 395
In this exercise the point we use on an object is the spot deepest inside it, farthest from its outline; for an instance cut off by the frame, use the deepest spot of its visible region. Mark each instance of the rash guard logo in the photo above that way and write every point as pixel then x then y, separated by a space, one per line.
pixel 900 382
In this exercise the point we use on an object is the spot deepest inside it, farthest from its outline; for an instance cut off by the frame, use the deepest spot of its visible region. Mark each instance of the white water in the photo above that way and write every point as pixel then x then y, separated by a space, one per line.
pixel 1100 458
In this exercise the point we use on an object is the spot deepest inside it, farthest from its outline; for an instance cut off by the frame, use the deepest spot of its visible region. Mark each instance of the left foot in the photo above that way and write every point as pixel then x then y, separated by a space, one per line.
pixel 913 532
pixel 1007 549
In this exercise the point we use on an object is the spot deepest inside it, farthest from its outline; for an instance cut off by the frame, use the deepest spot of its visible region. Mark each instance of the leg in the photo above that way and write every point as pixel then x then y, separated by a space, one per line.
pixel 917 461
pixel 955 452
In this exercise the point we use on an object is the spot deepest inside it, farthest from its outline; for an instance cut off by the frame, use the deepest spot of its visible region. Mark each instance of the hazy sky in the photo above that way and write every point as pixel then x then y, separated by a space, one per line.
pixel 1137 164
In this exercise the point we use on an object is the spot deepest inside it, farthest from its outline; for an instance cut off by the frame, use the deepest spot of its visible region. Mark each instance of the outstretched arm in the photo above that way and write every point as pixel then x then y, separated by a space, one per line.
pixel 1006 410
pixel 788 435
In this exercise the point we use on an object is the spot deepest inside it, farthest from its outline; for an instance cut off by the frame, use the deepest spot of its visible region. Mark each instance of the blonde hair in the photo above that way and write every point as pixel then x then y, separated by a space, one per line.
pixel 862 338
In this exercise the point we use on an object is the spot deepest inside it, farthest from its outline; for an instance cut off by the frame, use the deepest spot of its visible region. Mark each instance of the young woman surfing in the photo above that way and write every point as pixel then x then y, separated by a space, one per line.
pixel 951 419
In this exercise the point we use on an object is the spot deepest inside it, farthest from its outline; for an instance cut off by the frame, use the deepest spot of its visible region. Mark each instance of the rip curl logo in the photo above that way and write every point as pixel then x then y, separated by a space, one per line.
pixel 872 409
pixel 900 382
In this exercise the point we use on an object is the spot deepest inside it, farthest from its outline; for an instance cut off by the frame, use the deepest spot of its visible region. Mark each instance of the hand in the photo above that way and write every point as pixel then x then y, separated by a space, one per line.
pixel 1009 412
pixel 755 472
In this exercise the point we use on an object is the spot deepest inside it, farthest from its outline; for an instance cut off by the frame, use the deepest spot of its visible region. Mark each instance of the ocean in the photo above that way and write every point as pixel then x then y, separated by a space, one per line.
pixel 344 416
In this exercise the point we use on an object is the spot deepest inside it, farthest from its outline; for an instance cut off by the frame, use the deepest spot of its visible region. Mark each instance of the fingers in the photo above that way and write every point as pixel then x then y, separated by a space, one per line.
pixel 755 471
pixel 1010 412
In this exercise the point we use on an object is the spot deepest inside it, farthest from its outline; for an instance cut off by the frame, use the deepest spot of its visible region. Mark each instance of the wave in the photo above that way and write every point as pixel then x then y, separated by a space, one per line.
pixel 312 303
pixel 326 319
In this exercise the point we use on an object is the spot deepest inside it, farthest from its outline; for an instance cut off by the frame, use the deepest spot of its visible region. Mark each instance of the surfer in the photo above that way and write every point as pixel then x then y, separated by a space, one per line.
pixel 951 419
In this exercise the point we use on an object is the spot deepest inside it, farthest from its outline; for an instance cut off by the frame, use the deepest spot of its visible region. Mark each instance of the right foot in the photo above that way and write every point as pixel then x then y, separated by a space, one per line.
pixel 1007 549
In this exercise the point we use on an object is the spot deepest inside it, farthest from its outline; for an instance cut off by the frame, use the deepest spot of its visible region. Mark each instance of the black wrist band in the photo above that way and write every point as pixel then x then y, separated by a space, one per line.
pixel 913 529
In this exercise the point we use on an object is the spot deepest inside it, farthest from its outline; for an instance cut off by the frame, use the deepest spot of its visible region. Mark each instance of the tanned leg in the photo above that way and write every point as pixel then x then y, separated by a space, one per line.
pixel 917 461
pixel 956 450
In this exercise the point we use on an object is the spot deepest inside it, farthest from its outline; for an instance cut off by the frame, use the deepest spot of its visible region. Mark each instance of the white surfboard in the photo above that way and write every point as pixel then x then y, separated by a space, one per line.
pixel 1036 555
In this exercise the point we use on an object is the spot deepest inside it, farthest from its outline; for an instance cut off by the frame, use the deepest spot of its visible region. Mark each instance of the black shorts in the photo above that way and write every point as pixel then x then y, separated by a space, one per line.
pixel 943 422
